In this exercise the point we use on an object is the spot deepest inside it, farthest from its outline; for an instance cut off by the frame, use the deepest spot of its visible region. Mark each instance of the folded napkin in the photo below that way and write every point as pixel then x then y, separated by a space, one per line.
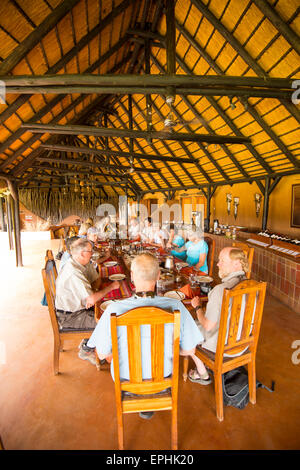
pixel 189 292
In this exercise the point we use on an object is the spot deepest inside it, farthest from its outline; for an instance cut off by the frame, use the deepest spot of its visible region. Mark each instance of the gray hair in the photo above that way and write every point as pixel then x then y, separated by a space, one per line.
pixel 80 245
pixel 146 265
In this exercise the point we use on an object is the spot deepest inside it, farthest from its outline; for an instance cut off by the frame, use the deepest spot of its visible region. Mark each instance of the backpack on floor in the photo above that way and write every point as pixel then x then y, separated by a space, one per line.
pixel 236 388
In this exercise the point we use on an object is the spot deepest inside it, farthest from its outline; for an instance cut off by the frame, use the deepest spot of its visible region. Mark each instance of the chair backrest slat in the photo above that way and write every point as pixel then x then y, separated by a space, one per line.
pixel 155 319
pixel 49 274
pixel 234 320
pixel 157 352
pixel 134 352
pixel 241 314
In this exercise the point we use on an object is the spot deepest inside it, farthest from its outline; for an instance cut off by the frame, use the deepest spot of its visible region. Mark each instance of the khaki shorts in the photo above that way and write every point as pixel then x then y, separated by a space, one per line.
pixel 80 320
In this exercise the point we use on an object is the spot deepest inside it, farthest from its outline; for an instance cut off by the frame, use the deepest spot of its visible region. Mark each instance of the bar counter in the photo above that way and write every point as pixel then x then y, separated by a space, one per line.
pixel 279 270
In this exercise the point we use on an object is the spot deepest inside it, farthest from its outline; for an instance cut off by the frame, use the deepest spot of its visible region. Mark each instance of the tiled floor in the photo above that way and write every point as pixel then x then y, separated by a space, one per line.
pixel 76 409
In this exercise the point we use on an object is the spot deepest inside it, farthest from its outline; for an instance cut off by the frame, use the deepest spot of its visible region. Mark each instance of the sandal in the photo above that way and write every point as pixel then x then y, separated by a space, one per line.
pixel 197 378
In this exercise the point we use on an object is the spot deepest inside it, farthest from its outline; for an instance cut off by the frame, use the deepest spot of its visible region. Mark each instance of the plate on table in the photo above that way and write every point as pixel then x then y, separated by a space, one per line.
pixel 205 279
pixel 105 304
pixel 117 277
pixel 182 264
pixel 175 294
pixel 108 264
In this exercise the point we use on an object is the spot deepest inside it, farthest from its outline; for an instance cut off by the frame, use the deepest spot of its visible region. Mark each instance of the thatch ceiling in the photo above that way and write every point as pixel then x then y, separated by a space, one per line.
pixel 87 80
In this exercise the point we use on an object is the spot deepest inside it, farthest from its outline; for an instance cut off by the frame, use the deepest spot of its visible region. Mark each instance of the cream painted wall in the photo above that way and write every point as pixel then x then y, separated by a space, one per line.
pixel 279 206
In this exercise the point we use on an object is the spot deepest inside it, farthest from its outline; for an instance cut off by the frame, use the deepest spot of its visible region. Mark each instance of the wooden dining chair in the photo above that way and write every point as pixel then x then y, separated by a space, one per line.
pixel 241 314
pixel 249 252
pixel 49 274
pixel 211 254
pixel 158 393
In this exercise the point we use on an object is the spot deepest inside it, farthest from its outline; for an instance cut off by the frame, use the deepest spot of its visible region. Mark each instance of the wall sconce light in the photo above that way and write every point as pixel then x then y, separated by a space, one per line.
pixel 236 202
pixel 257 200
pixel 228 200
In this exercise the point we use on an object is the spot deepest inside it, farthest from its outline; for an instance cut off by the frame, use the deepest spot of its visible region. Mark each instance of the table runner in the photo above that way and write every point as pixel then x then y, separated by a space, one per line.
pixel 106 271
pixel 124 291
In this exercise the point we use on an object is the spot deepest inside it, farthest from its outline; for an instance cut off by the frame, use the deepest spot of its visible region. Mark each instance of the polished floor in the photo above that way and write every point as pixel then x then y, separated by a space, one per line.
pixel 76 410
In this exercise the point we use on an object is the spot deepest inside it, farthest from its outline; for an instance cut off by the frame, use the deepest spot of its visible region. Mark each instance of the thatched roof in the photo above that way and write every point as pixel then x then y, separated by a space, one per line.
pixel 87 80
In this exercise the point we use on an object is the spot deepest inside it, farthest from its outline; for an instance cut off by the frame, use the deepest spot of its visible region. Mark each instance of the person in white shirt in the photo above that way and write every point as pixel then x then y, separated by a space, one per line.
pixel 134 229
pixel 77 291
pixel 147 234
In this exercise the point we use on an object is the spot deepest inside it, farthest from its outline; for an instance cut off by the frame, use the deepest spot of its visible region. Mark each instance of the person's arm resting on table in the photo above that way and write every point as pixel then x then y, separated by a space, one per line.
pixel 96 296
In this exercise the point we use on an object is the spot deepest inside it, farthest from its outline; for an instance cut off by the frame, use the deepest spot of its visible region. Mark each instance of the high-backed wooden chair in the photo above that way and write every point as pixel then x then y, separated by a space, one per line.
pixel 240 321
pixel 211 254
pixel 249 253
pixel 49 274
pixel 147 393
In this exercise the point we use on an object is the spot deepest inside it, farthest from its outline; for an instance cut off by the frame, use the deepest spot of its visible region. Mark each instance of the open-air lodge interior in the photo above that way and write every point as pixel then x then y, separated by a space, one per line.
pixel 191 104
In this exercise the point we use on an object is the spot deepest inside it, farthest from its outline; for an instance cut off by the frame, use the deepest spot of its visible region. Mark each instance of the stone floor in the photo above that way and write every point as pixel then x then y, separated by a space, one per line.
pixel 76 410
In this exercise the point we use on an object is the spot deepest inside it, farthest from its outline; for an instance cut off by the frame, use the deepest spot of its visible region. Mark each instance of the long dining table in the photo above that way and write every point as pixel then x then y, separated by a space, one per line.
pixel 116 266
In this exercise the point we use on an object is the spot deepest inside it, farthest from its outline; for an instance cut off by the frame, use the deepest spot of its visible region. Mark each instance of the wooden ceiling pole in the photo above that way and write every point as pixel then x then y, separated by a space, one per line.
pixel 35 37
pixel 99 151
pixel 101 131
pixel 153 147
pixel 42 112
pixel 279 24
pixel 30 158
pixel 213 101
pixel 245 55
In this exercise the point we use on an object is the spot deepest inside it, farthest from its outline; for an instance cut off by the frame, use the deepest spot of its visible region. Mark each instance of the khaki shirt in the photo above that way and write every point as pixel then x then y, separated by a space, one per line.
pixel 214 307
pixel 73 285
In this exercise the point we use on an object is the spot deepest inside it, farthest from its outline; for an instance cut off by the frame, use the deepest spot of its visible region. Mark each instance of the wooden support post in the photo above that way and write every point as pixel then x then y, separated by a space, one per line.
pixel 3 225
pixel 266 204
pixel 208 199
pixel 9 222
pixel 17 230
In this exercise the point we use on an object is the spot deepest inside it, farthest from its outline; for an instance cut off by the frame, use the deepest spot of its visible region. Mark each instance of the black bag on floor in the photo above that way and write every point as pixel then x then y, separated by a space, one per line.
pixel 236 387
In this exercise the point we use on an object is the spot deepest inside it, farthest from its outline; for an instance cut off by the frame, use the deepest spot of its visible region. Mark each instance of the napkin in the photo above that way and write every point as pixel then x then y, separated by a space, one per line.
pixel 189 292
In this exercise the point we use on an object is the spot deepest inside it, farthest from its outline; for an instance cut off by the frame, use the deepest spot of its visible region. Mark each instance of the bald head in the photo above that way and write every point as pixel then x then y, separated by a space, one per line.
pixel 231 260
pixel 145 267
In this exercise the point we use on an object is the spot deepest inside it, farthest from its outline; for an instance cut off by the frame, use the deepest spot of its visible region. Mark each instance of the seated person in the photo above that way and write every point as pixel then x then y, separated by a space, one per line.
pixel 89 221
pixel 134 229
pixel 179 248
pixel 82 233
pixel 77 291
pixel 67 254
pixel 147 234
pixel 233 264
pixel 196 251
pixel 172 234
pixel 92 235
pixel 160 236
pixel 105 228
pixel 144 274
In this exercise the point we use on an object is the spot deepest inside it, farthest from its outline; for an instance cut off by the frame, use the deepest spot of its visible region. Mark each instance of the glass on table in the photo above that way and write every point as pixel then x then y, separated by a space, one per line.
pixel 193 280
pixel 160 287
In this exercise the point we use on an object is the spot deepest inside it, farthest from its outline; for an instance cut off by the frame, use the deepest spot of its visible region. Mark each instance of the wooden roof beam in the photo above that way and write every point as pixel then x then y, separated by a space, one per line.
pixel 102 131
pixel 114 153
pixel 287 32
pixel 245 103
pixel 35 37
